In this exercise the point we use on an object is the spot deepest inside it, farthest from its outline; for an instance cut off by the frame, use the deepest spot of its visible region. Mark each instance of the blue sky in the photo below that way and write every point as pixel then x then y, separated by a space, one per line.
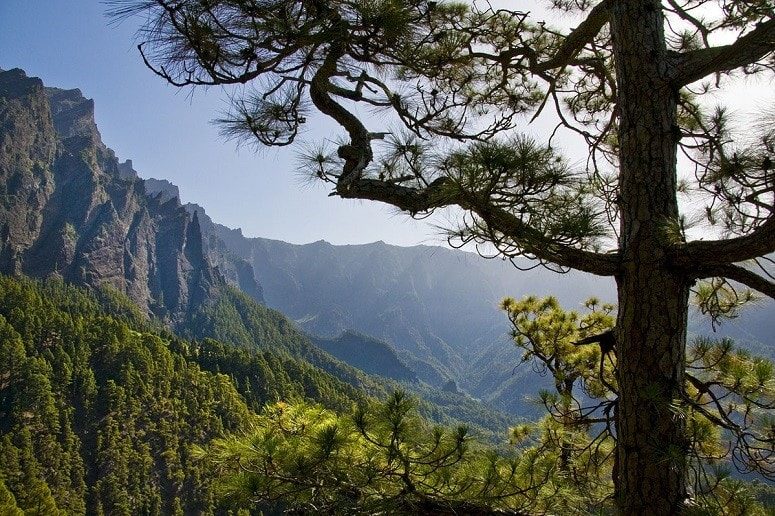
pixel 167 132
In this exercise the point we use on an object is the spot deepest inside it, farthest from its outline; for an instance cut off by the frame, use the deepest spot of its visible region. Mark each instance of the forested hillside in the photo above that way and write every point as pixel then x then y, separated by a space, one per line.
pixel 99 407
pixel 98 411
pixel 367 354
pixel 245 326
pixel 437 307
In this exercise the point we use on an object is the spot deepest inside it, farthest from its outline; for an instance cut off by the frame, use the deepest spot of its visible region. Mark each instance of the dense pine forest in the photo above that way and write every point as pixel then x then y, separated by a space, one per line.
pixel 100 409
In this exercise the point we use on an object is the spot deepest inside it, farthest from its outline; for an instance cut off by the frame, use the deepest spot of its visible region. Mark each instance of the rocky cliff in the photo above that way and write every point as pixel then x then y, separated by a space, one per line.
pixel 69 208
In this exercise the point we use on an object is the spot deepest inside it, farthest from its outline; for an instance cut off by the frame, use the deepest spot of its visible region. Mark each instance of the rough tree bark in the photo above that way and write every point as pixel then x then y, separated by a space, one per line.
pixel 650 474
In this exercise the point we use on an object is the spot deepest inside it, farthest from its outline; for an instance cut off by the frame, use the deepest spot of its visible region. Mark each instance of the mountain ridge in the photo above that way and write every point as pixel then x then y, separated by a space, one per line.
pixel 70 210
pixel 67 211
pixel 436 307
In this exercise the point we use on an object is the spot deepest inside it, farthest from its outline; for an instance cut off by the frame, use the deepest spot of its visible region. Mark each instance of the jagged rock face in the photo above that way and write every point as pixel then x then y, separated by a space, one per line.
pixel 161 188
pixel 236 270
pixel 27 150
pixel 69 208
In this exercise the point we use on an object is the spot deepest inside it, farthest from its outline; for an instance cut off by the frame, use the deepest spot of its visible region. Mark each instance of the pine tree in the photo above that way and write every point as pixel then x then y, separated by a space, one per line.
pixel 380 458
pixel 8 505
pixel 99 410
pixel 728 406
pixel 30 488
pixel 630 81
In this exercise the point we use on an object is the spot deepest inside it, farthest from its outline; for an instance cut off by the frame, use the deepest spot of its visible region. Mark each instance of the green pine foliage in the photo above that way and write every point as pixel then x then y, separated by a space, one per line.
pixel 104 412
pixel 728 404
pixel 263 376
pixel 238 321
pixel 235 318
pixel 99 408
pixel 96 416
pixel 381 458
pixel 384 457
pixel 8 506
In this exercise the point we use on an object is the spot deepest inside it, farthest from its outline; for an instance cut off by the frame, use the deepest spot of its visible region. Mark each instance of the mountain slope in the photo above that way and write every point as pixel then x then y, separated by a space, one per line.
pixel 437 307
pixel 67 210
pixel 71 210
pixel 97 414
pixel 367 354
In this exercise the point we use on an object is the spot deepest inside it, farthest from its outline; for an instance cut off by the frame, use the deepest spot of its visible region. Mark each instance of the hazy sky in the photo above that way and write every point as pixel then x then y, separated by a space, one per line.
pixel 167 132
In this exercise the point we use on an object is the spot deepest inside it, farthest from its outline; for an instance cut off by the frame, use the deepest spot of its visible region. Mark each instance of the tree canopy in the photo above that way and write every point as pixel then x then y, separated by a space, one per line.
pixel 635 81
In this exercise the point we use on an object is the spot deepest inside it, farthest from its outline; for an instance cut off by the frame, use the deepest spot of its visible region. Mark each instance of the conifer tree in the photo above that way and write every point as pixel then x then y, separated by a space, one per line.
pixel 380 458
pixel 729 405
pixel 630 81
pixel 383 458
pixel 8 505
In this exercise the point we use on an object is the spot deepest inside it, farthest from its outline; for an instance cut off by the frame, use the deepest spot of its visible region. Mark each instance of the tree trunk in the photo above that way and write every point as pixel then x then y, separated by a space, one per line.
pixel 650 473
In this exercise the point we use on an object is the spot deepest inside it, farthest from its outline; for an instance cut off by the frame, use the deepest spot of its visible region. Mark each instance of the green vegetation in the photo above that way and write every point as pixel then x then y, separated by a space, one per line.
pixel 236 319
pixel 251 340
pixel 99 410
pixel 636 83
pixel 727 403
pixel 382 457
pixel 96 416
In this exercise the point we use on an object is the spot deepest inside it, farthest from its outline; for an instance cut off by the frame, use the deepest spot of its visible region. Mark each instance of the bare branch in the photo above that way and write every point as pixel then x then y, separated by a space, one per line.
pixel 740 275
pixel 578 38
pixel 693 66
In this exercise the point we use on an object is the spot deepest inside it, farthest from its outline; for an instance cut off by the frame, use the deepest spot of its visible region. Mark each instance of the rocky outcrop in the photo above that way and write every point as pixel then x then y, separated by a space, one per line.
pixel 69 208
pixel 161 188
pixel 236 270
pixel 28 148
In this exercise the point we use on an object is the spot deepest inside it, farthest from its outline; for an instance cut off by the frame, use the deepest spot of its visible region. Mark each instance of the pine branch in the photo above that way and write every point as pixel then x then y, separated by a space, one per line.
pixel 754 46
pixel 578 38
pixel 352 185
pixel 739 274
pixel 701 254
pixel 437 195
pixel 607 341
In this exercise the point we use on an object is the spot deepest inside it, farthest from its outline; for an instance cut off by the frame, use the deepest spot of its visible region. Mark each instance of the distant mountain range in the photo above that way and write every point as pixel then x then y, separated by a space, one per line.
pixel 69 208
pixel 436 307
